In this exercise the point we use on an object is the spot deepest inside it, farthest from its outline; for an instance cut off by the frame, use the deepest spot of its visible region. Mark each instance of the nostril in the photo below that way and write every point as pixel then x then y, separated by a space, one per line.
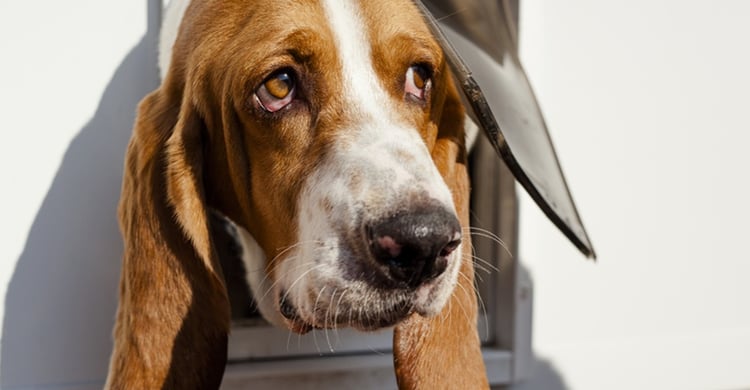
pixel 450 247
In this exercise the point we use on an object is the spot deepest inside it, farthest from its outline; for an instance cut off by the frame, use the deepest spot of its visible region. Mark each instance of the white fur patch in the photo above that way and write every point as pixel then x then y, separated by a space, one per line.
pixel 261 286
pixel 362 85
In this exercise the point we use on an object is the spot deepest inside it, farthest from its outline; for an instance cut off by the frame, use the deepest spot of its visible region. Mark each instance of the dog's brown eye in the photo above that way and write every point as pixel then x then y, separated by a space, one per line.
pixel 277 91
pixel 417 83
pixel 279 86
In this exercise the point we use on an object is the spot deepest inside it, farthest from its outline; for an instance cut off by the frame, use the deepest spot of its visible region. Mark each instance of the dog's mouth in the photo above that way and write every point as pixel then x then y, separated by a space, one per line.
pixel 334 312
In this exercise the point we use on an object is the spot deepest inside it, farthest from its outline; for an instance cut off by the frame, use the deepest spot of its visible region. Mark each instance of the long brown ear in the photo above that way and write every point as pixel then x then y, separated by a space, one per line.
pixel 444 352
pixel 173 317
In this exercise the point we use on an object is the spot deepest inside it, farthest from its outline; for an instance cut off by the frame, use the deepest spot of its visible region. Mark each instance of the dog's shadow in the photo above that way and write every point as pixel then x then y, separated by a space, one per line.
pixel 61 300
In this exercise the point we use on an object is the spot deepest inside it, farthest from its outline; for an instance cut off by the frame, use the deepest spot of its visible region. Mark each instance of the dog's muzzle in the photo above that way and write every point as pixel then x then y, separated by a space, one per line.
pixel 378 236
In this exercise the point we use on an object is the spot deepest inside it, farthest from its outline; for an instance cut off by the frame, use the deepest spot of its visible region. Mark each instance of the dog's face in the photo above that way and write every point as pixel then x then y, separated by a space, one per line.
pixel 322 123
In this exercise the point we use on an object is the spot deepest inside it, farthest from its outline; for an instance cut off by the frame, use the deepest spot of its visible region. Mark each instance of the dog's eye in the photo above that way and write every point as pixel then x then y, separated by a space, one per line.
pixel 277 91
pixel 417 83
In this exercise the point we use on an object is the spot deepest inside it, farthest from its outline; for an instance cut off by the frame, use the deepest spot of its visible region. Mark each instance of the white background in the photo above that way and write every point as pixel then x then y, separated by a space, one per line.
pixel 647 102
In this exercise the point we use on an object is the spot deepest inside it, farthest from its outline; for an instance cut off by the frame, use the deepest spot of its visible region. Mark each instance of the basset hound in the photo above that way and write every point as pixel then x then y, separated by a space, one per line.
pixel 330 135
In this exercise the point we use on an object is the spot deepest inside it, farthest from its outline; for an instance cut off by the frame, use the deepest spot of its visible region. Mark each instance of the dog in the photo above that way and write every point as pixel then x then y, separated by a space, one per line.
pixel 330 135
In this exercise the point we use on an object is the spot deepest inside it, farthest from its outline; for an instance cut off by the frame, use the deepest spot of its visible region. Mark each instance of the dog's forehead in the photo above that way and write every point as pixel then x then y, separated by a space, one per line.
pixel 376 42
pixel 391 17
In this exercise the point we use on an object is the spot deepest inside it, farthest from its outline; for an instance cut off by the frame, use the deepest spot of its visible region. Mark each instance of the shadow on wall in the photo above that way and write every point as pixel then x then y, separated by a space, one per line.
pixel 62 298
pixel 544 376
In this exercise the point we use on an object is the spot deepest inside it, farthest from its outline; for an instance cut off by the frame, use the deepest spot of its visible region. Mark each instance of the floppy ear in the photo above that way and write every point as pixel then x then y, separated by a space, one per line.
pixel 444 351
pixel 173 317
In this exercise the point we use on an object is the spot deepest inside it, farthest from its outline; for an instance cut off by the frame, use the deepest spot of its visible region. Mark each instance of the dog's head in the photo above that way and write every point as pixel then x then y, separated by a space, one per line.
pixel 326 132
pixel 331 135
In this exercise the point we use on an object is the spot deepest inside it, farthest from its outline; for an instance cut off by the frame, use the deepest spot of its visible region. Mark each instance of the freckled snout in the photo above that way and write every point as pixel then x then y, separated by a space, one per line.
pixel 413 247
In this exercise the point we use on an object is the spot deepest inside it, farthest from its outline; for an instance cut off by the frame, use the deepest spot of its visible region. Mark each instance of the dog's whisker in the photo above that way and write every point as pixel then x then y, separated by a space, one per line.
pixel 296 267
pixel 283 251
pixel 325 321
pixel 271 264
pixel 274 263
pixel 314 333
pixel 486 265
pixel 474 231
pixel 480 262
pixel 350 309
pixel 336 317
pixel 467 294
pixel 446 313
pixel 479 277
pixel 288 338
pixel 275 283
pixel 359 314
pixel 317 300
pixel 289 289
pixel 502 244
pixel 271 287
pixel 483 307
pixel 315 310
pixel 477 230
pixel 338 307
pixel 482 270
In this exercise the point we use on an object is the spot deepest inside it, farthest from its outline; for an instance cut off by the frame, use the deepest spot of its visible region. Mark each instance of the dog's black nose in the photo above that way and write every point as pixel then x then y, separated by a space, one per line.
pixel 415 246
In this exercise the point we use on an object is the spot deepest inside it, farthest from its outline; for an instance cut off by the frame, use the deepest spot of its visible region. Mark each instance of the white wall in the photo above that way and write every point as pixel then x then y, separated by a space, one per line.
pixel 648 103
pixel 71 75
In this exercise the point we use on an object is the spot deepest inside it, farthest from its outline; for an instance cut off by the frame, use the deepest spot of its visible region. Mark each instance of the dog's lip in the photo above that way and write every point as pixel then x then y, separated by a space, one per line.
pixel 291 316
pixel 299 327
pixel 397 312
pixel 385 321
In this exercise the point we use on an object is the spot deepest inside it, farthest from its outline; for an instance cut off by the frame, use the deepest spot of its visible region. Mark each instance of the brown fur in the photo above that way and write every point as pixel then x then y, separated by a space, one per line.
pixel 198 143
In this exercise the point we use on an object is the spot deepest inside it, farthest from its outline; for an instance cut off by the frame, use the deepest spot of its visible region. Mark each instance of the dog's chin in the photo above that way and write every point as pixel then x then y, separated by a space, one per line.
pixel 298 326
pixel 374 323
pixel 366 320
pixel 388 309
